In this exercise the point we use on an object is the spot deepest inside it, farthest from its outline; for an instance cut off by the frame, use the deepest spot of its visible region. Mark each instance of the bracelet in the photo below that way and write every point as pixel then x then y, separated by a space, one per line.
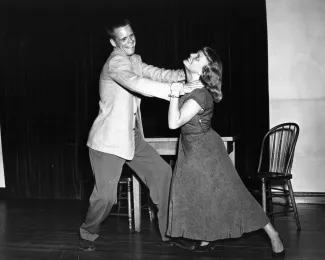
pixel 173 96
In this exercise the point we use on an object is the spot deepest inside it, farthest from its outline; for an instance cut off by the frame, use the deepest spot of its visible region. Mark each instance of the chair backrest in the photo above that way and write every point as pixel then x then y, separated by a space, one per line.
pixel 277 149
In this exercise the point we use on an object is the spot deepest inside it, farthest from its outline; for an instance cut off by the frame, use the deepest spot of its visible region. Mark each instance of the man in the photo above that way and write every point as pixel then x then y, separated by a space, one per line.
pixel 116 136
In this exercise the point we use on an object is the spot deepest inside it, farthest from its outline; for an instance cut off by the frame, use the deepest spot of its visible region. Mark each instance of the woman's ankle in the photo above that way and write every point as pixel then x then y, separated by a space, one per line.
pixel 204 243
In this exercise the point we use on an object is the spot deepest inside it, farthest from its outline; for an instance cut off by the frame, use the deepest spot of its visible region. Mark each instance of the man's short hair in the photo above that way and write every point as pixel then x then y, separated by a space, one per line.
pixel 116 24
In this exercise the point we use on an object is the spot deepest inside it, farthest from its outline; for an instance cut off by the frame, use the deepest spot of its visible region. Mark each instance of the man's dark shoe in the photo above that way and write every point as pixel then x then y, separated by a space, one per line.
pixel 165 243
pixel 86 245
pixel 183 243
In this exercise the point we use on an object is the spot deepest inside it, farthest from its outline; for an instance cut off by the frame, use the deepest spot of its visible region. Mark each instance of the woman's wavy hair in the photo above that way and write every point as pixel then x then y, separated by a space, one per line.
pixel 211 75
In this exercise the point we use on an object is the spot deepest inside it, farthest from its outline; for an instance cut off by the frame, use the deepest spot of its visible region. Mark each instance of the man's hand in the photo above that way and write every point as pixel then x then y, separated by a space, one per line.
pixel 189 87
pixel 177 89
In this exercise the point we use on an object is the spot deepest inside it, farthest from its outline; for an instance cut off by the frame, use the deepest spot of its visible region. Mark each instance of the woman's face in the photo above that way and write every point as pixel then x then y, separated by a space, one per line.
pixel 196 62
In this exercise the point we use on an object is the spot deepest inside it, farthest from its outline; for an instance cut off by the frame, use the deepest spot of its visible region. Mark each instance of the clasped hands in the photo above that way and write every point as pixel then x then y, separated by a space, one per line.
pixel 178 88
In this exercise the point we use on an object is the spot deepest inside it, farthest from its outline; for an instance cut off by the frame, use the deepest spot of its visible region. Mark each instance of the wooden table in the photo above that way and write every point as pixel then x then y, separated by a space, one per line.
pixel 168 146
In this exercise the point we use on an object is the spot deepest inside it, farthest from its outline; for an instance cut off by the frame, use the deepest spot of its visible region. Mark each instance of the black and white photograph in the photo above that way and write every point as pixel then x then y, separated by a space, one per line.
pixel 162 129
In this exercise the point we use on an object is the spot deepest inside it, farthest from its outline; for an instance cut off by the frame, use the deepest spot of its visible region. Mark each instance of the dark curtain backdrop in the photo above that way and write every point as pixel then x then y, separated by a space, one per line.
pixel 51 57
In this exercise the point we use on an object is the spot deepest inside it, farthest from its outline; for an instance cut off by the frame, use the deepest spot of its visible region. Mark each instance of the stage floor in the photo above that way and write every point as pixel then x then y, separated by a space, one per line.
pixel 48 229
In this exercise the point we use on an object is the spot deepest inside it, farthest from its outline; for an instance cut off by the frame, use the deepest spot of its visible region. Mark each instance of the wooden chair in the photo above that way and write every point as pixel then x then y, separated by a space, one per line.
pixel 275 162
pixel 125 192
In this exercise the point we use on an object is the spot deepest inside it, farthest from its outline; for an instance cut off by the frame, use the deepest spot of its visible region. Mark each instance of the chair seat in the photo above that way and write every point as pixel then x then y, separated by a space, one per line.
pixel 273 176
pixel 124 180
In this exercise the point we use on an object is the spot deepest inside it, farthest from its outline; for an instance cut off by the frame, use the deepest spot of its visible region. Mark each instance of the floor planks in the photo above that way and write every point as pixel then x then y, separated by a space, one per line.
pixel 48 229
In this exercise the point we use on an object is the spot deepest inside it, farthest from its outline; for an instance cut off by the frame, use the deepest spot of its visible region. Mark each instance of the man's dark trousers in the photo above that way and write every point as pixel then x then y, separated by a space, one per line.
pixel 151 168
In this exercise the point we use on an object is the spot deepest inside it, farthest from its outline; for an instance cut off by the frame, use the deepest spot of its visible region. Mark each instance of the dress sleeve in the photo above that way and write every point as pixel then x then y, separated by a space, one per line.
pixel 200 96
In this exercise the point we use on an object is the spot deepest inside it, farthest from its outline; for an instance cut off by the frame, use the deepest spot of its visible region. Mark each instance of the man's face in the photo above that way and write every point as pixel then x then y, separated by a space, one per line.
pixel 124 39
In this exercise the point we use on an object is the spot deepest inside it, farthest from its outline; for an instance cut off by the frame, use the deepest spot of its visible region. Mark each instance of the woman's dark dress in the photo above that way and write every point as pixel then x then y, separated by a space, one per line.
pixel 208 199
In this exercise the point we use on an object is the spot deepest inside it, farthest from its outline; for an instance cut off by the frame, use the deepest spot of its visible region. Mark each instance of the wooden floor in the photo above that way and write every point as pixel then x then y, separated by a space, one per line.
pixel 42 229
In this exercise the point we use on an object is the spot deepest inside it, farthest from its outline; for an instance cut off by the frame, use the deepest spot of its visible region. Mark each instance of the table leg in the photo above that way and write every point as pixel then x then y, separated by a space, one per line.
pixel 232 151
pixel 230 146
pixel 136 204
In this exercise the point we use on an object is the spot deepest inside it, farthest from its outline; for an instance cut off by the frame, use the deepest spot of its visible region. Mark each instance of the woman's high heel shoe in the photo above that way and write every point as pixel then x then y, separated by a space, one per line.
pixel 278 254
pixel 202 249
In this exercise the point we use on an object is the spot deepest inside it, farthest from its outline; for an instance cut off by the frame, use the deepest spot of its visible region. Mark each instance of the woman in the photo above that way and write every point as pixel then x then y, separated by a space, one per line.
pixel 208 199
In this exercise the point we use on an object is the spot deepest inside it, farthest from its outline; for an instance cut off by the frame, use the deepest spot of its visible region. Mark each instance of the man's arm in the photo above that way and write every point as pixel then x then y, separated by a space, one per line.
pixel 161 75
pixel 120 71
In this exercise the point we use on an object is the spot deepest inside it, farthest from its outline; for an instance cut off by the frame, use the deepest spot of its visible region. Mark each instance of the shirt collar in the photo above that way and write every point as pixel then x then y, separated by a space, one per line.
pixel 120 52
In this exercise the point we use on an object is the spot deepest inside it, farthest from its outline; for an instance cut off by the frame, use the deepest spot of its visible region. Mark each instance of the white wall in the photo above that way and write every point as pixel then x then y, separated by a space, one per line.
pixel 296 46
pixel 2 174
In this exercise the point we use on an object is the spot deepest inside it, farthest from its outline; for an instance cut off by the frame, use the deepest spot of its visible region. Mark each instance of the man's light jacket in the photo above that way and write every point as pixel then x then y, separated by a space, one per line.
pixel 121 81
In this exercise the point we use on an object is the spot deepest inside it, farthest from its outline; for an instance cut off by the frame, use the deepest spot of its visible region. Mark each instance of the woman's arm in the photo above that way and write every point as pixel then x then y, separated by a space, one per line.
pixel 177 117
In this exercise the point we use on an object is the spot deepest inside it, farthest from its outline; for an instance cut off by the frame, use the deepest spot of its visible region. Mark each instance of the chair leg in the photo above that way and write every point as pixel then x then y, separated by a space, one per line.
pixel 129 205
pixel 293 202
pixel 264 195
pixel 119 199
pixel 151 212
pixel 270 201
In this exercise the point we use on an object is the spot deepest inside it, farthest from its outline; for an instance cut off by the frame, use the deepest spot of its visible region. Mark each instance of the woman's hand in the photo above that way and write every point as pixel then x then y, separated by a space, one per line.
pixel 177 89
